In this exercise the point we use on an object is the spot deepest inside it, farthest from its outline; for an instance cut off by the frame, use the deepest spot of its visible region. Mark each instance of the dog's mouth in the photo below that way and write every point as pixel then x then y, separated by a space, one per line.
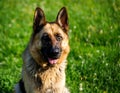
pixel 52 61
pixel 51 56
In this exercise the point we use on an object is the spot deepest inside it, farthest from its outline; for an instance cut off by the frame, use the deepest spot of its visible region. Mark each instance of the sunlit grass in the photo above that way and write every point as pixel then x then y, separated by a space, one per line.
pixel 94 60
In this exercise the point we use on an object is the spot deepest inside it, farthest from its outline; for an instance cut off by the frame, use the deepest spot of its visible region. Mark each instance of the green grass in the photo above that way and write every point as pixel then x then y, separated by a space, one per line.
pixel 94 60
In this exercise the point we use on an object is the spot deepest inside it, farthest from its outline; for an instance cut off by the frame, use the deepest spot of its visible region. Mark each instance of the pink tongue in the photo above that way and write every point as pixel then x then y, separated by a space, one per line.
pixel 52 61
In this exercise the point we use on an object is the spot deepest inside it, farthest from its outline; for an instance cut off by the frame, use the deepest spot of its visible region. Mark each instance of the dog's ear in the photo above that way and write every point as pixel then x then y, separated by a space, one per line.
pixel 39 19
pixel 62 19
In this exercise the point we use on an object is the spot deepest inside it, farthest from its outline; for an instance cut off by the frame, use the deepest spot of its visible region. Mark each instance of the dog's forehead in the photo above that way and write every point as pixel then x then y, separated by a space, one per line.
pixel 53 28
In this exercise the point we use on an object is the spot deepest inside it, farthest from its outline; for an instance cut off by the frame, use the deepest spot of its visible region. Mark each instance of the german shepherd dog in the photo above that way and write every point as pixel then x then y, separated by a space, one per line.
pixel 44 59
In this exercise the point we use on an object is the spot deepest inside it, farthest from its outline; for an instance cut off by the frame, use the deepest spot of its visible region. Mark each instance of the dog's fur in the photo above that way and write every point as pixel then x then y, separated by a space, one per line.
pixel 44 59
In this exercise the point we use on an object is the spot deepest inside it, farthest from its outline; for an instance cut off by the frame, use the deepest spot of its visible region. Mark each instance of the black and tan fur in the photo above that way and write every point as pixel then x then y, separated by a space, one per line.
pixel 44 59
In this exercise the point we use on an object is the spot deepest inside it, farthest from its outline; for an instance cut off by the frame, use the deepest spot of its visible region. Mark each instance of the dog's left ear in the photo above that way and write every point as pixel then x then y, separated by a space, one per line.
pixel 62 19
pixel 39 19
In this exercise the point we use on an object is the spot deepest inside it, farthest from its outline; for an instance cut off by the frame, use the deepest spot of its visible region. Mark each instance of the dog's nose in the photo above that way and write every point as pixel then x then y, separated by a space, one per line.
pixel 55 51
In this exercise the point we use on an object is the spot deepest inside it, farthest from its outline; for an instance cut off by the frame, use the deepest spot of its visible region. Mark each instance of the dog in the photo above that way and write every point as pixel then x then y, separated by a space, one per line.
pixel 44 59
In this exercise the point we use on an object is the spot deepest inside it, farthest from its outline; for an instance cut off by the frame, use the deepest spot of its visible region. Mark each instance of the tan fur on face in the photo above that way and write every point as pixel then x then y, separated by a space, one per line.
pixel 51 29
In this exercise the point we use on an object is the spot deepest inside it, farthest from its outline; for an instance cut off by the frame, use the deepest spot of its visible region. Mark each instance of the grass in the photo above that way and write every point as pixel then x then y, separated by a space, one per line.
pixel 94 60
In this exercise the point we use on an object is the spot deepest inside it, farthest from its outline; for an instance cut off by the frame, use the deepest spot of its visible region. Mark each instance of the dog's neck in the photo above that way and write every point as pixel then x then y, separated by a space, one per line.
pixel 33 68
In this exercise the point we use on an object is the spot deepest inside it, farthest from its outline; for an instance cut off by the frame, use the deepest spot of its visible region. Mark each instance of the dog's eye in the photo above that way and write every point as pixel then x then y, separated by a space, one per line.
pixel 58 37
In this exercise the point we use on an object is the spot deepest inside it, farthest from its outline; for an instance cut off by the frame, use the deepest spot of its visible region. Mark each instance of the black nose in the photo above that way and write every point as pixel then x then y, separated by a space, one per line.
pixel 54 52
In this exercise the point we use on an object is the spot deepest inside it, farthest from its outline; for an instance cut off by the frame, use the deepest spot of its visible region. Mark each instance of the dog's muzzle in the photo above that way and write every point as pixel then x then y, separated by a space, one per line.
pixel 51 54
pixel 54 53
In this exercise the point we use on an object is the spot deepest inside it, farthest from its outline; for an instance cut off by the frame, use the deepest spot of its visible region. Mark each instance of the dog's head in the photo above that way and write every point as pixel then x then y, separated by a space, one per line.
pixel 49 43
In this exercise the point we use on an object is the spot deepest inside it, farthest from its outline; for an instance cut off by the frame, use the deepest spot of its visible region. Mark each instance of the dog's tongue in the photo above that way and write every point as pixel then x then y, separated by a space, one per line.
pixel 52 61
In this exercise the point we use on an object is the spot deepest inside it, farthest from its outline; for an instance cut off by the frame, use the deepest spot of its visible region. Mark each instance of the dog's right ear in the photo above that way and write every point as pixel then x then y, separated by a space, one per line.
pixel 39 19
pixel 62 19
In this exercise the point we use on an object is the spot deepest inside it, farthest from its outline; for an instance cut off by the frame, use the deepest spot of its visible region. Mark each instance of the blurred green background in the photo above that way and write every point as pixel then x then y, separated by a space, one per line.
pixel 94 60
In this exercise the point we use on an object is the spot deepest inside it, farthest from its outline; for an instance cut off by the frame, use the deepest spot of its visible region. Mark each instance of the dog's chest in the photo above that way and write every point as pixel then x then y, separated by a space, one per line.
pixel 37 80
pixel 51 77
pixel 51 80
